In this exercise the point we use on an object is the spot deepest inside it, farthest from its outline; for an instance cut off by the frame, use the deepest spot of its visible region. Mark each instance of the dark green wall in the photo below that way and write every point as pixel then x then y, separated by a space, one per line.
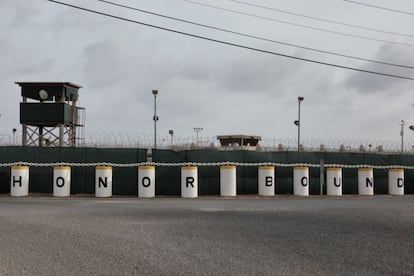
pixel 168 178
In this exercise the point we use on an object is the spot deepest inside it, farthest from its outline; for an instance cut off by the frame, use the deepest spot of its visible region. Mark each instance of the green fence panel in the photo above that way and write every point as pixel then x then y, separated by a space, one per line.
pixel 168 179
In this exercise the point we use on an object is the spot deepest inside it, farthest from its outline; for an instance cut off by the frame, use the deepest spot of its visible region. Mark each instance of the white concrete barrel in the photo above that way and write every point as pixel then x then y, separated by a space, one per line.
pixel 228 181
pixel 301 181
pixel 334 181
pixel 61 181
pixel 146 181
pixel 189 181
pixel 267 181
pixel 396 181
pixel 103 181
pixel 366 181
pixel 19 185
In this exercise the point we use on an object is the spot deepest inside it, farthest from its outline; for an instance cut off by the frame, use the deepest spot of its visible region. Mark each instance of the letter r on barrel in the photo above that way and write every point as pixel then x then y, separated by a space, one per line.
pixel 189 181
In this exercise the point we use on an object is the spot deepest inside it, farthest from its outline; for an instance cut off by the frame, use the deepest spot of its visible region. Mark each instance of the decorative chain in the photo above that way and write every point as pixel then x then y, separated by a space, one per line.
pixel 203 164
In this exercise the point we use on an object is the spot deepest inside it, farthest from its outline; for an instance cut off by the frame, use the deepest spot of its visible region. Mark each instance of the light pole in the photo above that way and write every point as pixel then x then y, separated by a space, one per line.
pixel 197 130
pixel 155 118
pixel 403 123
pixel 14 136
pixel 297 122
pixel 171 132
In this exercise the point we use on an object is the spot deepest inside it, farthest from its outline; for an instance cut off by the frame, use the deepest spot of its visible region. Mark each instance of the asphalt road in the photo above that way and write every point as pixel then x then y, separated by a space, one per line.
pixel 207 236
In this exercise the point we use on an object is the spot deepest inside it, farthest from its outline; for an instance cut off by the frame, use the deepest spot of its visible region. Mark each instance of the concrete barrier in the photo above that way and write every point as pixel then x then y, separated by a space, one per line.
pixel 103 181
pixel 61 181
pixel 228 181
pixel 301 181
pixel 189 181
pixel 19 185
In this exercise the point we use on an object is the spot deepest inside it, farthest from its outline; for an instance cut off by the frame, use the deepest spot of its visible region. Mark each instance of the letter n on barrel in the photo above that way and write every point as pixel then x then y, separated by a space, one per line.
pixel 366 181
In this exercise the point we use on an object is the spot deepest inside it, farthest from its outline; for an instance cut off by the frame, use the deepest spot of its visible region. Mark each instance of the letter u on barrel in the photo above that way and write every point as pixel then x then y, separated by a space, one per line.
pixel 334 181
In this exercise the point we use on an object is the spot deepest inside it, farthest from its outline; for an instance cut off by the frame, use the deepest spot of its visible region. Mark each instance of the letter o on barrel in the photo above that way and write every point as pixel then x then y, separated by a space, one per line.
pixel 103 181
pixel 189 181
pixel 301 181
pixel 146 181
pixel 61 181
pixel 19 185
pixel 396 181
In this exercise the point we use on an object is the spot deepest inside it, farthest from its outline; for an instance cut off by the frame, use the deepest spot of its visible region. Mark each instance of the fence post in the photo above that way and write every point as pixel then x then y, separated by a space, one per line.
pixel 322 176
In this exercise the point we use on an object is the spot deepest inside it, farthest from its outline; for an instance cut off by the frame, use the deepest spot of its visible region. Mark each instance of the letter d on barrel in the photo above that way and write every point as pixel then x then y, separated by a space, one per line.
pixel 396 181
pixel 301 181
pixel 61 181
pixel 146 181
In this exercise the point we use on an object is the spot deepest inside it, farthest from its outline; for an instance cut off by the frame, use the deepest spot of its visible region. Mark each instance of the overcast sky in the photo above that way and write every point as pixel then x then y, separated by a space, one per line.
pixel 223 89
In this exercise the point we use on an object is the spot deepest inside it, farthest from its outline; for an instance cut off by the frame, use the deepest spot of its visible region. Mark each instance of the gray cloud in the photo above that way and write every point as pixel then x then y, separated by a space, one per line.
pixel 364 83
pixel 201 84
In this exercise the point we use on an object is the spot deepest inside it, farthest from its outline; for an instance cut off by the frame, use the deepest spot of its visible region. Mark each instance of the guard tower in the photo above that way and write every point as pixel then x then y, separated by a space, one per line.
pixel 49 115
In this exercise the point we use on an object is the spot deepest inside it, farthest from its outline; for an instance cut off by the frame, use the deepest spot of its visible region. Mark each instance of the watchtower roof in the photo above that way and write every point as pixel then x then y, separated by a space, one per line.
pixel 71 84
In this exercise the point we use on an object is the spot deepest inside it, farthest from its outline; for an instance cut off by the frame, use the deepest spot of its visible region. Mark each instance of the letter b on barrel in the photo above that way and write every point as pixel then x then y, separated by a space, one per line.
pixel 266 181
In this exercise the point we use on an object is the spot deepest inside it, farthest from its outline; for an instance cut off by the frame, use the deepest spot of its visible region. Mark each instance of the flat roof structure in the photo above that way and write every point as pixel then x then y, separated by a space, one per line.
pixel 239 140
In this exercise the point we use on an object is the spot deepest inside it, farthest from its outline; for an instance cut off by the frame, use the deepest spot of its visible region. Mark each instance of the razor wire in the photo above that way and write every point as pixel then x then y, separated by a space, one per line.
pixel 203 164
